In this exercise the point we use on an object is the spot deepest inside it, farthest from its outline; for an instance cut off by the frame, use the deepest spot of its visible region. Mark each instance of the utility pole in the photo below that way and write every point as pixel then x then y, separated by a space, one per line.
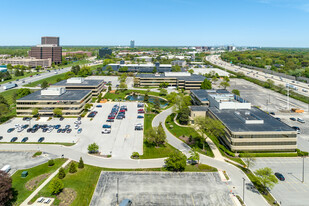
pixel 117 195
pixel 243 190
pixel 303 170
pixel 288 98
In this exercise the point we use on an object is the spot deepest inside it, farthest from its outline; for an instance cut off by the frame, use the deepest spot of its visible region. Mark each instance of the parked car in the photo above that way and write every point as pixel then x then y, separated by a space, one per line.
pixel 59 130
pixel 293 119
pixel 63 130
pixel 25 139
pixel 106 126
pixel 1 137
pixel 57 126
pixel 300 120
pixel 79 118
pixel 11 130
pixel 79 130
pixel 272 113
pixel 125 202
pixel 119 117
pixel 277 118
pixel 41 139
pixel 14 139
pixel 67 126
pixel 29 130
pixel 140 117
pixel 99 106
pixel 61 118
pixel 69 130
pixel 279 176
pixel 106 131
pixel 110 120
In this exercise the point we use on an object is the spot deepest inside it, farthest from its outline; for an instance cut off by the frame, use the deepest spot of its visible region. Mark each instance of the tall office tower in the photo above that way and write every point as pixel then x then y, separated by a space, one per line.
pixel 50 40
pixel 132 42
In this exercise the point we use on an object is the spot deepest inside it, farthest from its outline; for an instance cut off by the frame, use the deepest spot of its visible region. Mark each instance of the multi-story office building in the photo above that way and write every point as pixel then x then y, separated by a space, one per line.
pixel 71 102
pixel 181 63
pixel 29 62
pixel 181 80
pixel 50 40
pixel 49 49
pixel 104 51
pixel 132 43
pixel 78 83
pixel 144 68
pixel 247 128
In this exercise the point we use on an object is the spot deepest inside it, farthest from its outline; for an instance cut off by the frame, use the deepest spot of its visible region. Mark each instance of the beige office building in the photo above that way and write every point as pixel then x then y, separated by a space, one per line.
pixel 29 62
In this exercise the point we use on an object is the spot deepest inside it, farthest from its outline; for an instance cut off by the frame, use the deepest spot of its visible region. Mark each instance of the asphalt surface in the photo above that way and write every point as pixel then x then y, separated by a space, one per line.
pixel 161 188
pixel 292 191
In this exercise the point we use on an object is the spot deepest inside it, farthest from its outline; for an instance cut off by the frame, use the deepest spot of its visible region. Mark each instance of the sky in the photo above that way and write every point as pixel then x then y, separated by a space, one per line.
pixel 265 23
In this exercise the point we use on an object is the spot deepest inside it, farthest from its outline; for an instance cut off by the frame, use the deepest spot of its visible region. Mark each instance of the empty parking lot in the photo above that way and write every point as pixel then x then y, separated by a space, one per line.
pixel 161 188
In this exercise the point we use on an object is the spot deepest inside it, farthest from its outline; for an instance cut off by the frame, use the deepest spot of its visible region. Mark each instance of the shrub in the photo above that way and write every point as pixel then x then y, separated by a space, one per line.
pixel 72 168
pixel 81 163
pixel 61 173
pixel 176 162
pixel 56 186
pixel 135 155
pixel 51 162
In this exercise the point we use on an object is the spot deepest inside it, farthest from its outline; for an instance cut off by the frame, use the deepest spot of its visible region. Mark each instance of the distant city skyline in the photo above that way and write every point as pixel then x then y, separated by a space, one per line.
pixel 261 23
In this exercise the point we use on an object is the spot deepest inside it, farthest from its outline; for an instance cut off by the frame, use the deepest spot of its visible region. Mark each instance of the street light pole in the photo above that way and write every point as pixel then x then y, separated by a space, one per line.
pixel 117 195
pixel 243 190
pixel 303 170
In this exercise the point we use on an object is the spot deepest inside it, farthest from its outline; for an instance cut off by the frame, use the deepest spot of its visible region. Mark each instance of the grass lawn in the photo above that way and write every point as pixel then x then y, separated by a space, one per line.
pixel 179 131
pixel 151 151
pixel 113 97
pixel 84 181
pixel 18 182
pixel 50 80
pixel 80 62
pixel 26 74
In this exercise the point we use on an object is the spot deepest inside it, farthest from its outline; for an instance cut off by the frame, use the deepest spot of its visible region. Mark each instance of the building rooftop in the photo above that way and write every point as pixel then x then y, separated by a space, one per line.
pixel 192 77
pixel 68 95
pixel 198 108
pixel 249 120
pixel 201 94
pixel 84 82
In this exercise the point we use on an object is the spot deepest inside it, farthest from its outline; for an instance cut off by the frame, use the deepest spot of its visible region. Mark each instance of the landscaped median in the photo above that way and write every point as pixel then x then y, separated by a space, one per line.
pixel 24 186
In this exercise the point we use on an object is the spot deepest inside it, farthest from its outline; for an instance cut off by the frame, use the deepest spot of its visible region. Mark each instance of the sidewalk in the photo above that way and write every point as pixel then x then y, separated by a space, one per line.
pixel 35 192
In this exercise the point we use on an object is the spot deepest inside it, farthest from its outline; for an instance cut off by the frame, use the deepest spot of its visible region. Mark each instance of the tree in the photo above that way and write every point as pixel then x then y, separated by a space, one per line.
pixel 93 148
pixel 206 84
pixel 81 163
pixel 5 188
pixel 183 115
pixel 163 85
pixel 88 106
pixel 249 159
pixel 44 84
pixel 57 112
pixel 236 91
pixel 163 92
pixel 156 135
pixel 224 84
pixel 154 70
pixel 109 88
pixel 176 162
pixel 75 69
pixel 269 83
pixel 56 186
pixel 161 136
pixel 69 75
pixel 4 109
pixel 123 86
pixel 176 68
pixel 35 111
pixel 157 105
pixel 195 157
pixel 214 79
pixel 22 92
pixel 61 173
pixel 266 177
pixel 146 97
pixel 51 162
pixel 191 71
pixel 72 168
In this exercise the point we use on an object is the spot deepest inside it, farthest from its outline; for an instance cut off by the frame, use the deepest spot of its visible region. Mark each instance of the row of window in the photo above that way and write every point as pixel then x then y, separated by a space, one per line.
pixel 262 143
pixel 266 136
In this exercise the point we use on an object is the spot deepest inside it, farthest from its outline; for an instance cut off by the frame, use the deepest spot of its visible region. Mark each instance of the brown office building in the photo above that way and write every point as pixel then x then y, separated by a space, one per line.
pixel 47 51
pixel 50 40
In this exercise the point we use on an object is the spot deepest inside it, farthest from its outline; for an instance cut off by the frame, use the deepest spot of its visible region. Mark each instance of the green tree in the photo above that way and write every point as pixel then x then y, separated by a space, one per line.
pixel 195 157
pixel 88 106
pixel 109 88
pixel 69 75
pixel 51 162
pixel 22 92
pixel 5 188
pixel 154 70
pixel 75 69
pixel 163 85
pixel 56 186
pixel 57 112
pixel 157 105
pixel 156 135
pixel 206 84
pixel 224 84
pixel 146 97
pixel 72 168
pixel 35 111
pixel 93 148
pixel 183 115
pixel 176 68
pixel 163 92
pixel 236 91
pixel 191 71
pixel 44 84
pixel 176 162
pixel 266 177
pixel 4 109
pixel 81 163
pixel 61 173
pixel 123 86
pixel 249 159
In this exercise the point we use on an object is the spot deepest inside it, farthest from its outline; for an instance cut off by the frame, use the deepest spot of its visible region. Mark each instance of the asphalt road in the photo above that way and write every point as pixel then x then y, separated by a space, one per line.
pixel 215 59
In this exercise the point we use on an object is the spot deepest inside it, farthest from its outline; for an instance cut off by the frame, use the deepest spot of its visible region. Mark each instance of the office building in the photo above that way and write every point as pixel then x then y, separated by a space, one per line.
pixel 143 59
pixel 181 80
pixel 71 102
pixel 104 51
pixel 181 63
pixel 144 68
pixel 132 44
pixel 88 54
pixel 50 40
pixel 247 128
pixel 28 61
pixel 79 83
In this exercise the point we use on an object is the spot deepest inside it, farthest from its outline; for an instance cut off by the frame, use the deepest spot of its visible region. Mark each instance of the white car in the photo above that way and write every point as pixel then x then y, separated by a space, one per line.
pixel 76 126
pixel 300 120
pixel 106 131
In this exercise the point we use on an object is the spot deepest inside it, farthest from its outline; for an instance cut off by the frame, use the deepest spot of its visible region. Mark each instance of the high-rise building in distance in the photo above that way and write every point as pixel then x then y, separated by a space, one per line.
pixel 50 40
pixel 104 51
pixel 132 42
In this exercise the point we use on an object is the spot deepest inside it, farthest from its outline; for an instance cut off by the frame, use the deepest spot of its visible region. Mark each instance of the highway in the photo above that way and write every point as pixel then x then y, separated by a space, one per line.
pixel 302 88
pixel 43 75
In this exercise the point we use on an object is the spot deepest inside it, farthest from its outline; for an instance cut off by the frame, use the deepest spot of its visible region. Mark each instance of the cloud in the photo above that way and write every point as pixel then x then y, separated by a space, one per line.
pixel 302 5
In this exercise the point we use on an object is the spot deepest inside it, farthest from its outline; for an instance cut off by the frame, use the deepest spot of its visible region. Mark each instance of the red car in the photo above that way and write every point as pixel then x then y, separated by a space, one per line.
pixel 141 111
pixel 111 117
pixel 122 110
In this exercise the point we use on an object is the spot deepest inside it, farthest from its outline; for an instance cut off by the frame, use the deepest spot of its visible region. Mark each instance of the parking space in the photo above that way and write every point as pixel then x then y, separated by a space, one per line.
pixel 291 191
pixel 123 139
pixel 23 160
pixel 51 136
pixel 161 188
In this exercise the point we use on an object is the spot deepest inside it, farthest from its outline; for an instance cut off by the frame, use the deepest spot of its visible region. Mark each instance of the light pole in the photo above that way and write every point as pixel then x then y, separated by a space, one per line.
pixel 117 195
pixel 303 169
pixel 243 190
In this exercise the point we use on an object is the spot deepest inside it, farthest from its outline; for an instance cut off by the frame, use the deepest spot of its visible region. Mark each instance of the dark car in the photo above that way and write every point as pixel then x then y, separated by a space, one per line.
pixel 61 118
pixel 110 120
pixel 1 137
pixel 106 126
pixel 277 118
pixel 279 176
pixel 92 114
pixel 29 130
pixel 11 130
pixel 99 106
pixel 140 117
pixel 63 130
pixel 44 129
pixel 67 126
pixel 141 112
pixel 41 139
pixel 119 117
pixel 25 126
pixel 272 113
pixel 69 130
pixel 293 119
pixel 25 139
pixel 79 118
pixel 14 139
pixel 34 130
pixel 59 130
pixel 57 126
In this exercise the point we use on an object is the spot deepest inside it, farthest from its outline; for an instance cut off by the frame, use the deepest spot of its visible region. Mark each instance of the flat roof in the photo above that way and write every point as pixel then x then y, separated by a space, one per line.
pixel 234 120
pixel 199 108
pixel 86 83
pixel 69 95
pixel 201 94
pixel 193 77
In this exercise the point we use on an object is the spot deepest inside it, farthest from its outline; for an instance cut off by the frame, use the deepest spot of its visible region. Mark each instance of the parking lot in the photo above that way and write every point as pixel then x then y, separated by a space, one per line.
pixel 22 160
pixel 113 80
pixel 291 191
pixel 161 188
